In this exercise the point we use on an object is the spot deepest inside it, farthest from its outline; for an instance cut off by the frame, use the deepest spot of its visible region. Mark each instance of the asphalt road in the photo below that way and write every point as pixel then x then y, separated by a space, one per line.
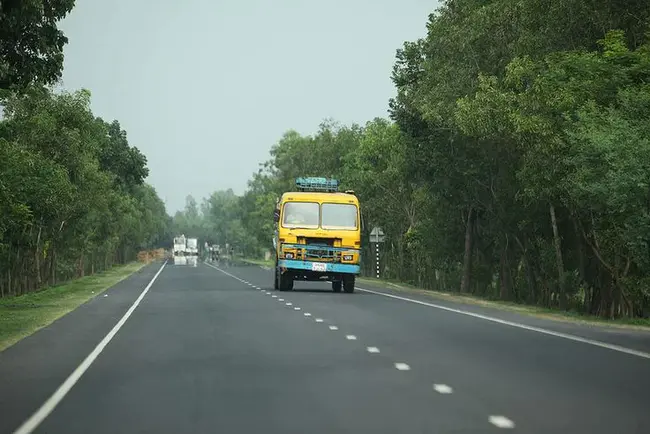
pixel 215 350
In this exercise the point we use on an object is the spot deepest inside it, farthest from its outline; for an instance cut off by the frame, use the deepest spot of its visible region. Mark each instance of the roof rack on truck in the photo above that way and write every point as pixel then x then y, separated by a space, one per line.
pixel 317 184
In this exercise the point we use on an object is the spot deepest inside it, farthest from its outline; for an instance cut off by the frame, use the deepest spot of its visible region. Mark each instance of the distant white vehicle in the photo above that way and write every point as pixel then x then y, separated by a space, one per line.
pixel 179 245
pixel 192 247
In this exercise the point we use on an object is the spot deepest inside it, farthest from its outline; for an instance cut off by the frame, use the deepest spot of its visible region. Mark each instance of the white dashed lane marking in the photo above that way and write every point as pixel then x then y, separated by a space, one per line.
pixel 501 422
pixel 442 388
pixel 517 325
pixel 497 421
pixel 402 366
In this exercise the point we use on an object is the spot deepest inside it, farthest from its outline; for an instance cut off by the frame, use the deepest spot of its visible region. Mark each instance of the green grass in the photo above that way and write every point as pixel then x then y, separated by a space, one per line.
pixel 23 315
pixel 540 312
pixel 268 263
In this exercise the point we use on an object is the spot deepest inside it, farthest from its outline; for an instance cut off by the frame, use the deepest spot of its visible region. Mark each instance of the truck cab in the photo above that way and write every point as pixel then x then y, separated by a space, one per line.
pixel 179 245
pixel 317 235
pixel 192 247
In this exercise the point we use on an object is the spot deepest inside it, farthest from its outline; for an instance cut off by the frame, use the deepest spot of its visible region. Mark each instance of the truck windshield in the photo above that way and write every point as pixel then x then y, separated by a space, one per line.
pixel 300 215
pixel 339 216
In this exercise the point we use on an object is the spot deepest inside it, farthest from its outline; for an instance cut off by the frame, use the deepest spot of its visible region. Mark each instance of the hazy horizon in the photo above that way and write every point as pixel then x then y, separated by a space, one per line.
pixel 204 89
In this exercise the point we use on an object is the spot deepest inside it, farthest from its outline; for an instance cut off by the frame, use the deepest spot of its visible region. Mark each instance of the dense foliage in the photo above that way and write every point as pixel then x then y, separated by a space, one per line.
pixel 72 193
pixel 31 45
pixel 73 199
pixel 516 165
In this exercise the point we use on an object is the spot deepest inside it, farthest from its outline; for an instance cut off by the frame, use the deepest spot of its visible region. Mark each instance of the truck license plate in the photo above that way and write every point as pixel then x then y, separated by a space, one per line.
pixel 318 266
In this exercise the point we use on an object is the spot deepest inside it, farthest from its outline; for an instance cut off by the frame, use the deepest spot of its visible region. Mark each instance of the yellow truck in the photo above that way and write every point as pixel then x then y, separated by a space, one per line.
pixel 317 235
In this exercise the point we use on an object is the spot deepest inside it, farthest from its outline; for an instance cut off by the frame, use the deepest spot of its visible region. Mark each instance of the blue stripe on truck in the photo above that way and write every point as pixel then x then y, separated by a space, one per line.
pixel 331 267
pixel 319 247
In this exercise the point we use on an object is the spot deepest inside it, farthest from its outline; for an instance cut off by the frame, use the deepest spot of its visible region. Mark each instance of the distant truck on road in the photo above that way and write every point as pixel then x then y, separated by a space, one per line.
pixel 192 247
pixel 179 245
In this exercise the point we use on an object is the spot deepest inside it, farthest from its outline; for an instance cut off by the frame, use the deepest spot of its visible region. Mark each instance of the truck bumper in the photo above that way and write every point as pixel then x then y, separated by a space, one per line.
pixel 331 267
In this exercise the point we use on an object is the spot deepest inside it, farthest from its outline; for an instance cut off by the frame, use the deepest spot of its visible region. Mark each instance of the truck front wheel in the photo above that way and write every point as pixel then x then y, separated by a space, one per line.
pixel 348 284
pixel 336 286
pixel 285 282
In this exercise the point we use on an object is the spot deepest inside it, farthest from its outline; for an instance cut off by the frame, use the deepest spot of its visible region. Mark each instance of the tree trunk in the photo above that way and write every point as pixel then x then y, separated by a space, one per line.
pixel 467 257
pixel 81 265
pixel 37 258
pixel 505 275
pixel 558 259
pixel 53 266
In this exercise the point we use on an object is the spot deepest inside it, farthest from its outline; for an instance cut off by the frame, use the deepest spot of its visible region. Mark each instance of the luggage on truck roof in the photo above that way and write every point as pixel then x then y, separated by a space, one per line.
pixel 317 184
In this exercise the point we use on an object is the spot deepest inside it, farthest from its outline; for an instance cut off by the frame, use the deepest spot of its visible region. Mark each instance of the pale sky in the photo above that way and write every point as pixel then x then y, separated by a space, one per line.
pixel 204 88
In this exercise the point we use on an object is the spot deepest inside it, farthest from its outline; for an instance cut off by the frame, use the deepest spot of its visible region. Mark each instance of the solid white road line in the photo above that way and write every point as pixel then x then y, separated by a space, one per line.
pixel 501 422
pixel 35 420
pixel 402 366
pixel 518 325
pixel 225 272
pixel 442 388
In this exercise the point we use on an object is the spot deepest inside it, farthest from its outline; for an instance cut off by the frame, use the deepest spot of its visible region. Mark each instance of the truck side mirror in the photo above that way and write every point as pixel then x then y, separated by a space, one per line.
pixel 276 215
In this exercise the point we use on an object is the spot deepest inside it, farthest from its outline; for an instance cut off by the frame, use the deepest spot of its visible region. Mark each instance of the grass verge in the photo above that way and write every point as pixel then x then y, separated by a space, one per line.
pixel 260 262
pixel 23 315
pixel 539 312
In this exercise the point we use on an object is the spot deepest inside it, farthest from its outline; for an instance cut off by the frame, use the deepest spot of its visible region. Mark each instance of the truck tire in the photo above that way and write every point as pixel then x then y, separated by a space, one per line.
pixel 285 283
pixel 348 284
pixel 336 286
pixel 276 283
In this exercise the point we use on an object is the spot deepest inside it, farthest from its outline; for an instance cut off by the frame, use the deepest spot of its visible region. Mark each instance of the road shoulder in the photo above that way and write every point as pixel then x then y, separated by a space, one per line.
pixel 32 369
pixel 629 336
pixel 24 315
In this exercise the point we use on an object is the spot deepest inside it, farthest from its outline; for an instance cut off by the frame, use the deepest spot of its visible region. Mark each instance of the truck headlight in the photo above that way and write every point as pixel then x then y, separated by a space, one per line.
pixel 347 257
pixel 288 255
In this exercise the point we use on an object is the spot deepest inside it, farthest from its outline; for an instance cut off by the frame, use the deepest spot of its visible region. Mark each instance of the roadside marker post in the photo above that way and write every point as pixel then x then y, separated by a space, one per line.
pixel 377 236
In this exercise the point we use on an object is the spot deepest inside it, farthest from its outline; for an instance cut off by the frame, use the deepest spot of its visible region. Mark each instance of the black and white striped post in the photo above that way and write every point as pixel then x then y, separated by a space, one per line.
pixel 376 237
pixel 377 248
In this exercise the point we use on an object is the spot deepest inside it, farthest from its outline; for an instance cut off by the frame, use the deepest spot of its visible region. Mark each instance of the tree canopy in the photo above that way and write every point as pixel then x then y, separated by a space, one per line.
pixel 31 45
pixel 73 197
pixel 515 162
pixel 72 192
